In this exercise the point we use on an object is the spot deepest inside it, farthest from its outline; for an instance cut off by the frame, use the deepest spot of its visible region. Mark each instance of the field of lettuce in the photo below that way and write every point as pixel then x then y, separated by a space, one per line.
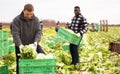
pixel 95 57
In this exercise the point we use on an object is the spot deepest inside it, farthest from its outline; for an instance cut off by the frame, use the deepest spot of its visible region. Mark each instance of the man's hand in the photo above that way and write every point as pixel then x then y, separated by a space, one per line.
pixel 34 45
pixel 20 47
pixel 81 33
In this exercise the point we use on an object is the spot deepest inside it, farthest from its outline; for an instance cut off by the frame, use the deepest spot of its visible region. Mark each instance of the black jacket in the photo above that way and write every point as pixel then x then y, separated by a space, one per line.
pixel 25 31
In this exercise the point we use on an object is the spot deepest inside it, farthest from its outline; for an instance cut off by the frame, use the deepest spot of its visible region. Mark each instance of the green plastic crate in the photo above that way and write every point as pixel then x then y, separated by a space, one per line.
pixel 1 35
pixel 11 48
pixel 33 66
pixel 4 70
pixel 5 43
pixel 55 40
pixel 6 51
pixel 4 48
pixel 5 35
pixel 1 49
pixel 1 52
pixel 69 36
pixel 11 42
pixel 65 46
pixel 1 45
pixel 58 39
pixel 81 44
pixel 98 27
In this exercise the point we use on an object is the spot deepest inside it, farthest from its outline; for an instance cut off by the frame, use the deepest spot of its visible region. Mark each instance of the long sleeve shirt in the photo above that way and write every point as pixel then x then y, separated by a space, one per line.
pixel 78 24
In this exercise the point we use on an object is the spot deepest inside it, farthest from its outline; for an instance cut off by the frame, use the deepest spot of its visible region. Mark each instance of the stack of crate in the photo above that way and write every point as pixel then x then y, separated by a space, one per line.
pixel 114 47
pixel 6 45
pixel 3 43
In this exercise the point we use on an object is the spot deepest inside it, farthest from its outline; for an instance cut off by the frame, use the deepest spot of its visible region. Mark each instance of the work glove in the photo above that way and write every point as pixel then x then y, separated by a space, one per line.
pixel 20 47
pixel 78 34
pixel 34 45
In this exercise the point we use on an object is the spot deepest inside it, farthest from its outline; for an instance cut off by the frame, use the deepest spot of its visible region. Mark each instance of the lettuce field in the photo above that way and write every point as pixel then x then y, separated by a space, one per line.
pixel 95 57
pixel 94 54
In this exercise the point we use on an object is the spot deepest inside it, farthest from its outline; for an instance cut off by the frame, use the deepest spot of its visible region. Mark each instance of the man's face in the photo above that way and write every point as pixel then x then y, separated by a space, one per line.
pixel 27 14
pixel 77 11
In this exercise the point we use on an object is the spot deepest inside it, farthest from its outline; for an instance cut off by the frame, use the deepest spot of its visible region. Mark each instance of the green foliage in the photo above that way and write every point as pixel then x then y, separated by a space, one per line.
pixel 28 52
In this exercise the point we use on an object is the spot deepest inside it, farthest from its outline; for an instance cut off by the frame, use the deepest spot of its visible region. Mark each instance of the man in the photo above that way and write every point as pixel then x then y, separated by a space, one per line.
pixel 78 25
pixel 26 29
pixel 0 26
pixel 57 27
